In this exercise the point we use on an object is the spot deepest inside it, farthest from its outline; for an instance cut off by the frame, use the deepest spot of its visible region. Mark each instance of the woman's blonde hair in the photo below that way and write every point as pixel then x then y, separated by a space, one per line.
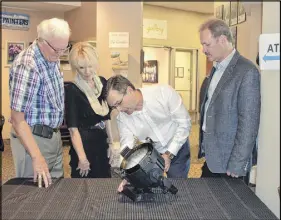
pixel 83 54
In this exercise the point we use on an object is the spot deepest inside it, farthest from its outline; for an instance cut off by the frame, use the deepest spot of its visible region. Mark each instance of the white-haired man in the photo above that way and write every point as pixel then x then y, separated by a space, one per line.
pixel 37 104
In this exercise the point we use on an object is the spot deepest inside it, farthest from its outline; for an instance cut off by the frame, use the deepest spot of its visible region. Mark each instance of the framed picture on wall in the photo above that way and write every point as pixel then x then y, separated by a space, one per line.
pixel 150 71
pixel 13 49
pixel 233 13
pixel 226 13
pixel 241 12
pixel 219 12
pixel 93 43
pixel 179 72
pixel 234 34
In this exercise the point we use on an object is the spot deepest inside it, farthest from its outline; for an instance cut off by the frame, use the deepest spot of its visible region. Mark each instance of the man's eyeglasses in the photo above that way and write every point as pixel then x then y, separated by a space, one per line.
pixel 58 51
pixel 118 103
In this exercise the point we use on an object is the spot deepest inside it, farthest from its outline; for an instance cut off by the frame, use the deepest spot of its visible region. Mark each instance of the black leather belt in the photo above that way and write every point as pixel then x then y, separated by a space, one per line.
pixel 44 131
pixel 100 125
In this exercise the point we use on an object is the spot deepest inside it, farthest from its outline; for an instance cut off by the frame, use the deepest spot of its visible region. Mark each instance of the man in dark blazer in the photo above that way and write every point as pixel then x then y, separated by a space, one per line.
pixel 230 108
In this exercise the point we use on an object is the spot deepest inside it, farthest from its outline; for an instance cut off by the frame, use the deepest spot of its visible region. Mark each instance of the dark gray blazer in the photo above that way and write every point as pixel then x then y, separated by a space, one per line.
pixel 232 119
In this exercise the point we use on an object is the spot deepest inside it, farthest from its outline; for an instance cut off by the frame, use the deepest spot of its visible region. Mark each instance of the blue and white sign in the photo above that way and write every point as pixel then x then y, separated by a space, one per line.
pixel 15 21
pixel 269 51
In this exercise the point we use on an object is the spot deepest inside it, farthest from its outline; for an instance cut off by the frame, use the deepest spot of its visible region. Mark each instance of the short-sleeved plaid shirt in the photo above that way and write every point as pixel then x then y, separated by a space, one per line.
pixel 37 88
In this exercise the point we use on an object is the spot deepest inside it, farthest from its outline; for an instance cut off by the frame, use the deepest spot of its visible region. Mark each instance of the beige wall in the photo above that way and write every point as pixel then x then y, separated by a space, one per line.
pixel 120 17
pixel 82 21
pixel 268 169
pixel 16 35
pixel 182 31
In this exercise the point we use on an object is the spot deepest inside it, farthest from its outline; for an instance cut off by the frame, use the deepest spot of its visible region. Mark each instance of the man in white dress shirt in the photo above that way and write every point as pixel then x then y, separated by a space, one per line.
pixel 156 112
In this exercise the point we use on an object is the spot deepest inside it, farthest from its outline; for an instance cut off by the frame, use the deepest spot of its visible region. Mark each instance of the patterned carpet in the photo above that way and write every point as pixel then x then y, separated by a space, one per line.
pixel 8 171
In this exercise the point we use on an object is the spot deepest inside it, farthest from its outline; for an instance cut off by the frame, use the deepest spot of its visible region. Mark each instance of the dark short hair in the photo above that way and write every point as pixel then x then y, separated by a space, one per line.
pixel 217 27
pixel 118 83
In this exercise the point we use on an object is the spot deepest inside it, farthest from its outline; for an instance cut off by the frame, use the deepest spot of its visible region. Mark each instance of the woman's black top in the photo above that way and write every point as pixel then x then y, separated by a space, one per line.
pixel 79 114
pixel 78 110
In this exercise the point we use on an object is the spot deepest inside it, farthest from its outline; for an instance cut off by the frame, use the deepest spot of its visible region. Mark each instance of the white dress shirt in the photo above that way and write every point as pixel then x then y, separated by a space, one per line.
pixel 220 68
pixel 163 118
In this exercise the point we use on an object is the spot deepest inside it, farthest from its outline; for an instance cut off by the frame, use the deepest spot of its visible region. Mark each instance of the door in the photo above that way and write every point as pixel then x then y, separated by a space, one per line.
pixel 186 79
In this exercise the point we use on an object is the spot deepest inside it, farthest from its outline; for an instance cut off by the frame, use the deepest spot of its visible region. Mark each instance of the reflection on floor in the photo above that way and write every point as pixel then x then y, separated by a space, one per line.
pixel 8 171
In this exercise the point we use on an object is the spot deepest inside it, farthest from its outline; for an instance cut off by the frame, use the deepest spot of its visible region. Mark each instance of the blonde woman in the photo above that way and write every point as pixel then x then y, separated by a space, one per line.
pixel 87 115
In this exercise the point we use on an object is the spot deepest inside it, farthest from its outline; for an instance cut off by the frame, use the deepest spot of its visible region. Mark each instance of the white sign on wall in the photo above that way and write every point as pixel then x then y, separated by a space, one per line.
pixel 155 29
pixel 118 39
pixel 269 51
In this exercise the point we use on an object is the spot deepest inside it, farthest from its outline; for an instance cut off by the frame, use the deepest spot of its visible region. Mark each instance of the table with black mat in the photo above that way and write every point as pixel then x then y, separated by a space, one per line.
pixel 205 198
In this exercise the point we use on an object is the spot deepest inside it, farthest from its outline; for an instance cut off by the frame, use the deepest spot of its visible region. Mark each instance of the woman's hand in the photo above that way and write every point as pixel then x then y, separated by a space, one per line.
pixel 84 167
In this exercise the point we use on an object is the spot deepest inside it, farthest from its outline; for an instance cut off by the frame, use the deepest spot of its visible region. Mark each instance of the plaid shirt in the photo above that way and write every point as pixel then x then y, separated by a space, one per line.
pixel 37 88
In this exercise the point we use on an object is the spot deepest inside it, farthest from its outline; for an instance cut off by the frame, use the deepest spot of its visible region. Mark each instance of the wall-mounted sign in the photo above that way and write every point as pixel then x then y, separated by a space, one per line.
pixel 155 29
pixel 15 21
pixel 118 39
pixel 269 51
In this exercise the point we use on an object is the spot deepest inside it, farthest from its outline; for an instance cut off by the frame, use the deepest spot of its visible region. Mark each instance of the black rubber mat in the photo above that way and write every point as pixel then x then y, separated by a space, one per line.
pixel 98 199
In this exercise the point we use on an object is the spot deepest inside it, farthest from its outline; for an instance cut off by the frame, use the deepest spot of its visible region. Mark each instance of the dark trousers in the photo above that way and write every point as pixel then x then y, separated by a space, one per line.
pixel 180 164
pixel 207 173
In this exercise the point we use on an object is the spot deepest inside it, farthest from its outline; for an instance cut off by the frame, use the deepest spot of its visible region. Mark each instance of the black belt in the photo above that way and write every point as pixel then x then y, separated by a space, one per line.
pixel 44 131
pixel 100 125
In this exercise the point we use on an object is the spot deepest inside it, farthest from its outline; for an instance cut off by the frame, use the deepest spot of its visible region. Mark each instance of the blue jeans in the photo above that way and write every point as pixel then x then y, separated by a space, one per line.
pixel 181 163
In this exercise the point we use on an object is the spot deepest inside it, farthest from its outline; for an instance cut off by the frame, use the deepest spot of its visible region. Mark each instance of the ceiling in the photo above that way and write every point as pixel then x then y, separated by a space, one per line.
pixel 42 6
pixel 202 7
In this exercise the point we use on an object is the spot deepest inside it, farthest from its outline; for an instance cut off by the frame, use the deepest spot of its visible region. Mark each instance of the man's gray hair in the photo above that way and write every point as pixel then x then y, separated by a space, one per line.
pixel 54 27
pixel 217 28
pixel 118 83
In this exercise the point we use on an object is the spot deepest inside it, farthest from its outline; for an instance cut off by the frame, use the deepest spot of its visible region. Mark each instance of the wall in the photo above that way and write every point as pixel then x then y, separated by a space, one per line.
pixel 182 31
pixel 16 35
pixel 82 21
pixel 120 17
pixel 268 169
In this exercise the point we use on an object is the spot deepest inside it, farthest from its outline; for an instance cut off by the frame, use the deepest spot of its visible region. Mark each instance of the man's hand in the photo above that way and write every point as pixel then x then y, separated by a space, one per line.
pixel 110 153
pixel 231 174
pixel 121 186
pixel 41 170
pixel 167 162
pixel 84 167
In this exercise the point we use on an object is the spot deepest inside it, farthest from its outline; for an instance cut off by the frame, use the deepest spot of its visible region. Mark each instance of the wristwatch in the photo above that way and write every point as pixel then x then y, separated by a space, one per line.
pixel 169 154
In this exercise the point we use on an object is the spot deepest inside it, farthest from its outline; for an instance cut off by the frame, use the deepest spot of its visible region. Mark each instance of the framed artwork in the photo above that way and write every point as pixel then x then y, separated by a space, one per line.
pixel 13 49
pixel 241 13
pixel 141 61
pixel 226 13
pixel 233 13
pixel 219 12
pixel 234 34
pixel 150 71
pixel 179 72
pixel 64 56
pixel 93 43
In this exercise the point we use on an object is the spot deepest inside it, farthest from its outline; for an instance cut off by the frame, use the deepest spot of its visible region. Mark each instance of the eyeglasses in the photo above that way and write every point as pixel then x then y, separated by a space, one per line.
pixel 58 51
pixel 118 103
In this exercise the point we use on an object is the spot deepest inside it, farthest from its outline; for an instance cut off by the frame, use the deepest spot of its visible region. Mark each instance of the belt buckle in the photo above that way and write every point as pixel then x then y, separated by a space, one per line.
pixel 101 125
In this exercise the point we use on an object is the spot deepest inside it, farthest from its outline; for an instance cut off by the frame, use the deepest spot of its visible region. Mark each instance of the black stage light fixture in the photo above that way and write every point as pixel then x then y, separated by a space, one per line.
pixel 143 168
